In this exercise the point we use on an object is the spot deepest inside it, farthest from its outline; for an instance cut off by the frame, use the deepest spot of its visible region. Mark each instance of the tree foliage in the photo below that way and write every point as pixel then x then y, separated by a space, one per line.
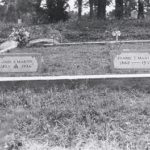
pixel 17 8
pixel 97 7
pixel 56 10
pixel 123 8
pixel 129 5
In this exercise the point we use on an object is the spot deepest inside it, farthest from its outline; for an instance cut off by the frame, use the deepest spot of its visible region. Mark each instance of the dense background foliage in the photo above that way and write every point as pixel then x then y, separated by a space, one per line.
pixel 56 10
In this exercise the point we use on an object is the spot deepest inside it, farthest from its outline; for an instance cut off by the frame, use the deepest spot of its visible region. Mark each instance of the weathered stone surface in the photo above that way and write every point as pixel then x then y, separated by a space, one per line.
pixel 8 45
pixel 134 14
pixel 19 63
pixel 44 40
pixel 132 60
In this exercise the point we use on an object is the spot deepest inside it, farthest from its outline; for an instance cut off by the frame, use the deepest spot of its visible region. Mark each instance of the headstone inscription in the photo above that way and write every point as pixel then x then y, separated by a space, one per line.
pixel 132 60
pixel 19 63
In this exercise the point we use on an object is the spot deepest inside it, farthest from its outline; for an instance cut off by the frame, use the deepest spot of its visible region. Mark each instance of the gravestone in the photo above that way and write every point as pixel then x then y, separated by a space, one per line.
pixel 134 14
pixel 20 63
pixel 19 21
pixel 131 61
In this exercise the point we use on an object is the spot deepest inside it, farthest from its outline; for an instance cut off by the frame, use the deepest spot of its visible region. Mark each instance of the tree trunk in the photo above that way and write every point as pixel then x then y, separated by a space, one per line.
pixel 79 8
pixel 119 9
pixel 140 9
pixel 101 9
pixel 6 10
pixel 91 3
pixel 37 10
pixel 127 9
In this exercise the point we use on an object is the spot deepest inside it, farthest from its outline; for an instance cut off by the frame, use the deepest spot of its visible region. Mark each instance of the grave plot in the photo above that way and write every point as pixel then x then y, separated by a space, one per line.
pixel 80 59
pixel 97 114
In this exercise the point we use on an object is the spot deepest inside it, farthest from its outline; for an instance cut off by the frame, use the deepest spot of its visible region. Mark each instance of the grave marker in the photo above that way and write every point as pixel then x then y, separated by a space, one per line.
pixel 131 60
pixel 134 14
pixel 20 63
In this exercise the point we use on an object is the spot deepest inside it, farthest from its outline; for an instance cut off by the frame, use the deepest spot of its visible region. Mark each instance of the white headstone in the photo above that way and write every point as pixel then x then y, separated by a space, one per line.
pixel 8 45
pixel 19 21
pixel 132 60
pixel 134 14
pixel 19 63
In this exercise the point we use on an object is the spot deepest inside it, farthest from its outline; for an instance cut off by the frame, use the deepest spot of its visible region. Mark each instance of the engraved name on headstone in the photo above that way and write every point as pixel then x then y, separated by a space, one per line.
pixel 132 60
pixel 19 63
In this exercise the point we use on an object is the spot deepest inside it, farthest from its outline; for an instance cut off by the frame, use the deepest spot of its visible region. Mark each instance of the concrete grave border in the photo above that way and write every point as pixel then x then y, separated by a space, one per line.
pixel 84 77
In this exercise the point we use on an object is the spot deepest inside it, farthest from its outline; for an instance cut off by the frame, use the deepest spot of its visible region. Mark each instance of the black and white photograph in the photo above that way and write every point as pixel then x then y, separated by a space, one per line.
pixel 74 74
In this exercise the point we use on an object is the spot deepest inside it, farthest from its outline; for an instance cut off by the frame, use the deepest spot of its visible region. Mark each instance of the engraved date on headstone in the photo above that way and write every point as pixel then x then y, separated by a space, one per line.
pixel 19 63
pixel 132 60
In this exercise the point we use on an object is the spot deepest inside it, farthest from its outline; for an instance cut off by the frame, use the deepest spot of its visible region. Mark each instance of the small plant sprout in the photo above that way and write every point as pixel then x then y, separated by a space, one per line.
pixel 116 33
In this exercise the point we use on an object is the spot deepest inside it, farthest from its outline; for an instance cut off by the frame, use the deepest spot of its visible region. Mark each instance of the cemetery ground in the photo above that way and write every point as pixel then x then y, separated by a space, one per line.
pixel 81 115
pixel 75 115
pixel 85 29
pixel 81 59
pixel 78 59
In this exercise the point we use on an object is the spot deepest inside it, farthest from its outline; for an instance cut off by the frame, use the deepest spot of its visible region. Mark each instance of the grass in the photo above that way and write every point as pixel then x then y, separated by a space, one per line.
pixel 80 115
pixel 86 29
pixel 85 59
pixel 97 30
pixel 101 116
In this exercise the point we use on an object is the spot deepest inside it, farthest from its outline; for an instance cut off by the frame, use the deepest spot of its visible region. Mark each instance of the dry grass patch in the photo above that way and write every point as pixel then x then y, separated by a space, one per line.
pixel 81 118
